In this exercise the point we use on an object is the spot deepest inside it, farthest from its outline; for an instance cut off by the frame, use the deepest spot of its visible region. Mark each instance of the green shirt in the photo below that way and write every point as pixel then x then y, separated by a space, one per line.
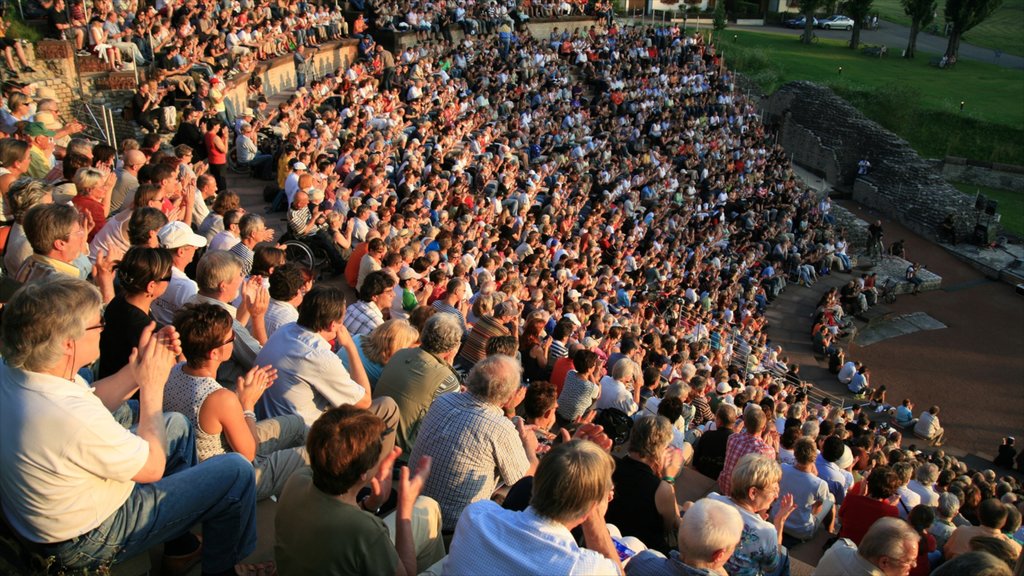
pixel 319 534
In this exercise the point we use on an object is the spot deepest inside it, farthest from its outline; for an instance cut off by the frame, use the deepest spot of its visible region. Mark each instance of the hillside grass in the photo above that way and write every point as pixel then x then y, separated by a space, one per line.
pixel 920 103
pixel 1011 205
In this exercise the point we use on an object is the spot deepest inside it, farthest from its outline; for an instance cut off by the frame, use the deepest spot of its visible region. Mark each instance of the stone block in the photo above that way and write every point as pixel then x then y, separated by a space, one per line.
pixel 53 50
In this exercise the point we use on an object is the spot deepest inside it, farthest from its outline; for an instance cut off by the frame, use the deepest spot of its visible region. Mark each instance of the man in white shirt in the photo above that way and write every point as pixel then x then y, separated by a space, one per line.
pixel 491 540
pixel 621 388
pixel 182 243
pixel 288 285
pixel 310 376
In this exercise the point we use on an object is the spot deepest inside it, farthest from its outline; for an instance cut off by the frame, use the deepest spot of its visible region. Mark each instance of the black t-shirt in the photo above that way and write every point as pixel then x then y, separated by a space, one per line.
pixel 124 325
pixel 709 455
pixel 53 18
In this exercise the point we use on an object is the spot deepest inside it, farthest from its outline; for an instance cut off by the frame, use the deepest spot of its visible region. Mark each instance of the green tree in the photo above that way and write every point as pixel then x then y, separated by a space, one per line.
pixel 807 8
pixel 921 13
pixel 858 11
pixel 964 15
pixel 719 16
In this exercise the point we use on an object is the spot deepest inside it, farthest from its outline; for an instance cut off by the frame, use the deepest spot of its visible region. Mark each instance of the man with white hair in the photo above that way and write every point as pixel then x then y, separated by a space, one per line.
pixel 923 484
pixel 889 547
pixel 708 535
pixel 472 444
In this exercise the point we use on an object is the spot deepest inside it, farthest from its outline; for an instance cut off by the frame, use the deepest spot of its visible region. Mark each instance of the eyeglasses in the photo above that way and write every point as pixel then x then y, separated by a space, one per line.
pixel 98 326
pixel 167 279
pixel 229 340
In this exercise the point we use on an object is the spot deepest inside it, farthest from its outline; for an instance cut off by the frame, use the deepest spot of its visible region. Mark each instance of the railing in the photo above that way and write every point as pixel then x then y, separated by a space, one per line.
pixel 101 128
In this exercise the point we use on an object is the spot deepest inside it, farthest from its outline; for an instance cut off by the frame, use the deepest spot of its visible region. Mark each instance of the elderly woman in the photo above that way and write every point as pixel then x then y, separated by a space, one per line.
pixel 78 486
pixel 645 505
pixel 24 194
pixel 621 388
pixel 377 347
pixel 94 196
pixel 755 485
pixel 144 274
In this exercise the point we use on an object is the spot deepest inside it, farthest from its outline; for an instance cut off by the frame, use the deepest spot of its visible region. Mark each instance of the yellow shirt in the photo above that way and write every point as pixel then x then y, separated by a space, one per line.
pixel 40 163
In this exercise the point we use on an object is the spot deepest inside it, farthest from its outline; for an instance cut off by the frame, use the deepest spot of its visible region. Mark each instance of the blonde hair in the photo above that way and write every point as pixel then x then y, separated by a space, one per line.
pixel 571 479
pixel 390 337
pixel 86 179
pixel 754 471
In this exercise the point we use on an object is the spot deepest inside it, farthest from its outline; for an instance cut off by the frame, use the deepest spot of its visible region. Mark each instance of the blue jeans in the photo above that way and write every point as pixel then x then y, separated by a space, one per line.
pixel 220 493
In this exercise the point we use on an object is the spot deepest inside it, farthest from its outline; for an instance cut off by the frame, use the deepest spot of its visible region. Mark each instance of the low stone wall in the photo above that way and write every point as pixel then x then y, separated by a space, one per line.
pixel 826 134
pixel 992 175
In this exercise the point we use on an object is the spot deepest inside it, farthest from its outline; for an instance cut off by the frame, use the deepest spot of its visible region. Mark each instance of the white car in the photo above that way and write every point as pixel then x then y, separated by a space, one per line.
pixel 836 23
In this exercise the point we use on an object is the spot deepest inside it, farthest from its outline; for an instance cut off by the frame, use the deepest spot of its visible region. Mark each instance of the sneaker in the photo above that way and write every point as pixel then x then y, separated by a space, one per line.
pixel 83 53
pixel 28 69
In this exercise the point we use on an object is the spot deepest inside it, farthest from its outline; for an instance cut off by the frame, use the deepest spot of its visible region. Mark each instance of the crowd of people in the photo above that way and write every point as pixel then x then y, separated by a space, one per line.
pixel 561 249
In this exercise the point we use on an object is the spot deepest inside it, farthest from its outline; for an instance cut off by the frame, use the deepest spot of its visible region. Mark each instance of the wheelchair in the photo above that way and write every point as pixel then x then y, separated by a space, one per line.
pixel 308 254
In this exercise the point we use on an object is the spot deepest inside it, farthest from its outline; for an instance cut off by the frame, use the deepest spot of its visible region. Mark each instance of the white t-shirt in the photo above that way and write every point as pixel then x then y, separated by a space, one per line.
pixel 65 464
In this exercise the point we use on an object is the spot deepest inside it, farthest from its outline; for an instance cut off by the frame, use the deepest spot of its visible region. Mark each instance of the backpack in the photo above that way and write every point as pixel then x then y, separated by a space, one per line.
pixel 616 423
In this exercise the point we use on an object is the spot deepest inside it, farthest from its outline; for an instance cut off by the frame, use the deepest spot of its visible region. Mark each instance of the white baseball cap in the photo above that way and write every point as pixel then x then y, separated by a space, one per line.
pixel 177 234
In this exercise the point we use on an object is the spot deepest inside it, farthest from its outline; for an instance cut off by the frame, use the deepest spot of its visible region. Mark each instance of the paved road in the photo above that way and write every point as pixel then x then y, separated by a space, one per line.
pixel 895 36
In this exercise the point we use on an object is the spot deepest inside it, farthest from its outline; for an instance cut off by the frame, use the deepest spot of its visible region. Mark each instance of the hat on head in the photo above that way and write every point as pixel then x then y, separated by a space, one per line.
pixel 407 273
pixel 574 294
pixel 723 387
pixel 178 234
pixel 247 112
pixel 215 80
pixel 299 166
pixel 572 317
pixel 38 129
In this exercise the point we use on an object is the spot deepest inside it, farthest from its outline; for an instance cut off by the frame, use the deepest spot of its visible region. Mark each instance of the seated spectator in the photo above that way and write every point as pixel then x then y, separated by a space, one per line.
pixel 580 391
pixel 225 420
pixel 179 240
pixel 621 388
pixel 378 347
pixel 928 427
pixel 310 377
pixel 143 275
pixel 748 441
pixel 94 189
pixel 908 498
pixel 946 510
pixel 108 493
pixel 709 454
pixel 227 238
pixel 323 229
pixel 833 465
pixel 219 276
pixel 375 296
pixel 923 484
pixel 992 514
pixel 23 194
pixel 470 441
pixel 920 519
pixel 322 502
pixel 487 326
pixel 289 283
pixel 572 488
pixel 646 506
pixel 889 547
pixel 252 229
pixel 755 485
pixel 859 511
pixel 415 377
pixel 813 502
pixel 905 415
pixel 57 237
pixel 249 154
pixel 708 534
pixel 214 222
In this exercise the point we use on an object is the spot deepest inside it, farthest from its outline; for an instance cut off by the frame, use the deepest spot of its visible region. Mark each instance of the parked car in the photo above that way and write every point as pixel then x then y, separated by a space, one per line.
pixel 798 22
pixel 836 22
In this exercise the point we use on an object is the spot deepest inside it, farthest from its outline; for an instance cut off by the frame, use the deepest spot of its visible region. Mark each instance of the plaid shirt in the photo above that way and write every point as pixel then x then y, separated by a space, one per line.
pixel 473 446
pixel 363 317
pixel 739 446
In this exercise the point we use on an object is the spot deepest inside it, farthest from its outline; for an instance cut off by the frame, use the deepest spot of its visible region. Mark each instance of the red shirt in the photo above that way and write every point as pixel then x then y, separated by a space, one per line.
pixel 858 513
pixel 94 208
pixel 352 266
pixel 559 371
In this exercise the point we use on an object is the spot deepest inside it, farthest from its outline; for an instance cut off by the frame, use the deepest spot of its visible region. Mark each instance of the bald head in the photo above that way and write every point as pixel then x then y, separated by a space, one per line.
pixel 133 161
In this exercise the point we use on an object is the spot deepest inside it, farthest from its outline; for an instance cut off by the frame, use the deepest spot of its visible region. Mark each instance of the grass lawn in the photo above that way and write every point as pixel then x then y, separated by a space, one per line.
pixel 1011 205
pixel 919 102
pixel 1003 30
